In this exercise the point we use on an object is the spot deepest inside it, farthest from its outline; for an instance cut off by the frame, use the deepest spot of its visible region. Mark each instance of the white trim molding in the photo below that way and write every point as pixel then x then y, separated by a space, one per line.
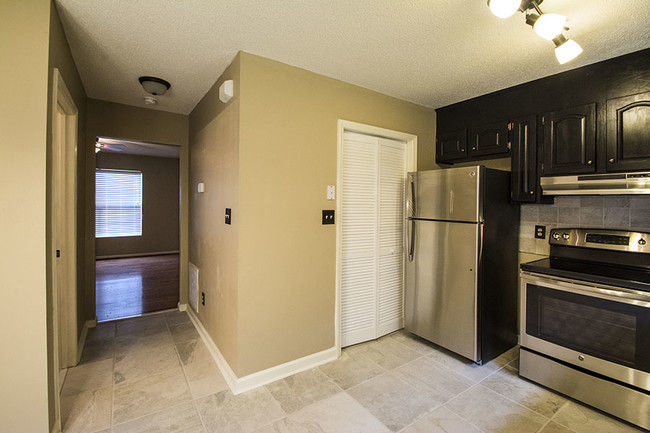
pixel 56 428
pixel 84 333
pixel 246 383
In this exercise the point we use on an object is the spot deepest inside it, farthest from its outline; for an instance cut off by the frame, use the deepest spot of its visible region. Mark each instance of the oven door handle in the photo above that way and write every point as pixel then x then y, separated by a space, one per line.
pixel 617 294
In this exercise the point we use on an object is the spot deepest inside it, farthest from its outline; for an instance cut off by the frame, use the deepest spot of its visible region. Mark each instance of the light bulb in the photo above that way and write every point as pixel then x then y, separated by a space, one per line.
pixel 567 51
pixel 548 26
pixel 504 8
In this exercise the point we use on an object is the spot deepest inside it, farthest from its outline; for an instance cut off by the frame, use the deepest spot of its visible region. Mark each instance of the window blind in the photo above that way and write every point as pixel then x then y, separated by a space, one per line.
pixel 118 203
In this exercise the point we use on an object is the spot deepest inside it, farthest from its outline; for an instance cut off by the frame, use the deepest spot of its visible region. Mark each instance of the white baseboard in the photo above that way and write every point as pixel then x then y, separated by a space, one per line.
pixel 226 371
pixel 246 383
pixel 126 256
pixel 182 307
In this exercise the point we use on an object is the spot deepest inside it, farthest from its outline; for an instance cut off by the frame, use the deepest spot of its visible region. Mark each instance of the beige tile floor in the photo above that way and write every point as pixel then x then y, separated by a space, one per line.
pixel 154 374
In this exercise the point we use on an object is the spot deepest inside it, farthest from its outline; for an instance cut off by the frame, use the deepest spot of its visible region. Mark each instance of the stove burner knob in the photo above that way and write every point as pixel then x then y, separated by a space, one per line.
pixel 565 236
pixel 555 235
pixel 641 241
pixel 581 358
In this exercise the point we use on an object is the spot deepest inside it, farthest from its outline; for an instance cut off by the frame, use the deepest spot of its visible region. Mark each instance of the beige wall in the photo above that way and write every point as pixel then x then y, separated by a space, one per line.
pixel 288 154
pixel 24 40
pixel 269 154
pixel 124 121
pixel 214 156
pixel 160 201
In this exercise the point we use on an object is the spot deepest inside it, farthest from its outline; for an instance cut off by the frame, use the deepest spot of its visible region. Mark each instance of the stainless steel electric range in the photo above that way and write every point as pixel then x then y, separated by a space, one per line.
pixel 585 320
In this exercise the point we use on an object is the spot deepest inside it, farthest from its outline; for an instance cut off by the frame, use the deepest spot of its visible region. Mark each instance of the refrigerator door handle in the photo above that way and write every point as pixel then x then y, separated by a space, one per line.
pixel 410 239
pixel 413 207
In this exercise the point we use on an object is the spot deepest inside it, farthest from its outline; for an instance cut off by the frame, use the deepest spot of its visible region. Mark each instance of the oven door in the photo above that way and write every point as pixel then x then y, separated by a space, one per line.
pixel 602 329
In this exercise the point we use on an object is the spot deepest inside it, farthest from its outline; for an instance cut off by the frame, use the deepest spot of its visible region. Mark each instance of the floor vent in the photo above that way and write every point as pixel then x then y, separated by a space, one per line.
pixel 194 287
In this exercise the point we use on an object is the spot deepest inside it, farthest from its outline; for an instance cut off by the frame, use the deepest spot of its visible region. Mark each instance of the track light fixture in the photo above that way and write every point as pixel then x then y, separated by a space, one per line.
pixel 547 26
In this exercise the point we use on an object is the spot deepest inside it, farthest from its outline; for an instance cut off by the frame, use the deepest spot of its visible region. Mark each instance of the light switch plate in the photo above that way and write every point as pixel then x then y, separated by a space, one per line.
pixel 331 192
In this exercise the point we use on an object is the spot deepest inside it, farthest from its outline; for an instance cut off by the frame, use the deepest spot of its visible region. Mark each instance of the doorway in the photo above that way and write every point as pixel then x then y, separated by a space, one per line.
pixel 372 167
pixel 137 228
pixel 63 253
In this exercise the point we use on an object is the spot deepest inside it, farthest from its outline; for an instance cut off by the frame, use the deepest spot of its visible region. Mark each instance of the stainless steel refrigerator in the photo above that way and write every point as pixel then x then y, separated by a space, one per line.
pixel 462 266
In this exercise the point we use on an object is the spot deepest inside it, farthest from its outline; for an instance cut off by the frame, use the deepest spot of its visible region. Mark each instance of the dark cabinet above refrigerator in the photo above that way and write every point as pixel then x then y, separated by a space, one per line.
pixel 593 119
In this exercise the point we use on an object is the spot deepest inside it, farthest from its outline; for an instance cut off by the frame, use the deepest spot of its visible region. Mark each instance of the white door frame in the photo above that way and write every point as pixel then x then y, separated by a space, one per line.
pixel 63 214
pixel 411 165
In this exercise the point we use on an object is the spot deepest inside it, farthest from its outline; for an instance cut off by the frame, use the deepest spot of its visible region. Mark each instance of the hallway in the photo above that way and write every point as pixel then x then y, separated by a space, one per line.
pixel 129 287
pixel 154 374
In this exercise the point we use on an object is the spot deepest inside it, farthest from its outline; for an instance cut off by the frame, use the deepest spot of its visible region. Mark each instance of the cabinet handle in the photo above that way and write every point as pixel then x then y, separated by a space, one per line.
pixel 590 162
pixel 531 192
pixel 611 160
pixel 473 148
pixel 462 150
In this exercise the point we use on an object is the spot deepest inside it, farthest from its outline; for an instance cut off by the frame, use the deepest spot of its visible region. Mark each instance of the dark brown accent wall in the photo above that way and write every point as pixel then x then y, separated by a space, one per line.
pixel 160 206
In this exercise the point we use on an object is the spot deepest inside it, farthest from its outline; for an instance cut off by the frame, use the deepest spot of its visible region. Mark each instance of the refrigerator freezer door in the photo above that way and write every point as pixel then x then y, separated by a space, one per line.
pixel 451 194
pixel 440 299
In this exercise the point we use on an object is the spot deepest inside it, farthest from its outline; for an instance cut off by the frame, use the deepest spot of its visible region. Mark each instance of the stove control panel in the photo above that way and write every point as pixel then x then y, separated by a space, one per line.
pixel 617 240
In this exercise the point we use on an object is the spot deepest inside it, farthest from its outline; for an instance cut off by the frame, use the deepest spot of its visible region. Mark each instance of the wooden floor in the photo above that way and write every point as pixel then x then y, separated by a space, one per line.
pixel 134 286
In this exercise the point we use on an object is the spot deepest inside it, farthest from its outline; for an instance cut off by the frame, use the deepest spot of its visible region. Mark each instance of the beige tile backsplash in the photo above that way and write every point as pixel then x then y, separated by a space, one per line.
pixel 612 212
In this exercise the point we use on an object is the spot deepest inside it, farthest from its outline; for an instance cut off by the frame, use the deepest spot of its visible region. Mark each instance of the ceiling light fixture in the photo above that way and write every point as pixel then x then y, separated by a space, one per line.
pixel 504 8
pixel 547 26
pixel 566 49
pixel 153 85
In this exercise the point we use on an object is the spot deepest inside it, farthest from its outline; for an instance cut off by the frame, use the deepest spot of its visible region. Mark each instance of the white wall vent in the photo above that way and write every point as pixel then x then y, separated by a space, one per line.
pixel 194 287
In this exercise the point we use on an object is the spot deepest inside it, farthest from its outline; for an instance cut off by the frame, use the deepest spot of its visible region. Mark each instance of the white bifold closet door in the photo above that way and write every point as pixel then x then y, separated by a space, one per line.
pixel 373 177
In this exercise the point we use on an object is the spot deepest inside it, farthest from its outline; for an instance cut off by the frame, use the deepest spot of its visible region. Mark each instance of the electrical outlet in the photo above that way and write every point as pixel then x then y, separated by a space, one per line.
pixel 203 298
pixel 540 232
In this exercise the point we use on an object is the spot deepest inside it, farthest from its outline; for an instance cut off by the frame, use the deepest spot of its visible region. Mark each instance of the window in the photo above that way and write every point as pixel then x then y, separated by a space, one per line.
pixel 118 203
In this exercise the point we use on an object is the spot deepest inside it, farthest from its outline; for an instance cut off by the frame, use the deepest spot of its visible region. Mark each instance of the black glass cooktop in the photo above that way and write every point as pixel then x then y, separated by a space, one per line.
pixel 621 276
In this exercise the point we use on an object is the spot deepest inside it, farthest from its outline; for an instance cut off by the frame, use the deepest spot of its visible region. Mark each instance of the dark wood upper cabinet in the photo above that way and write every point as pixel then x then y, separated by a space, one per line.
pixel 524 159
pixel 570 140
pixel 628 133
pixel 452 146
pixel 490 139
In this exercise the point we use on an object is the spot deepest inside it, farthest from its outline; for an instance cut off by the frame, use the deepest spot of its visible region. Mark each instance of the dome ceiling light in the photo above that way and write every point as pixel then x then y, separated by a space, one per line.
pixel 547 26
pixel 153 85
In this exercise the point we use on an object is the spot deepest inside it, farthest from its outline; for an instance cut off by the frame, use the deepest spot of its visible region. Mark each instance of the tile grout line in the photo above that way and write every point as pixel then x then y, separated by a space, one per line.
pixel 192 398
pixel 518 403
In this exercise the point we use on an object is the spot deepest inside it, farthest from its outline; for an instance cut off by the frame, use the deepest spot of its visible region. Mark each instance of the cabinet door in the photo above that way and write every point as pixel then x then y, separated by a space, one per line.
pixel 570 140
pixel 451 146
pixel 490 139
pixel 524 159
pixel 628 133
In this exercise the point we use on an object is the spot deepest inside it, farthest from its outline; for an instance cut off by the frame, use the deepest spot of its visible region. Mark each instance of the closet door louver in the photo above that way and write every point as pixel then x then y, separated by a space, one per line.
pixel 373 172
pixel 392 169
pixel 359 238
